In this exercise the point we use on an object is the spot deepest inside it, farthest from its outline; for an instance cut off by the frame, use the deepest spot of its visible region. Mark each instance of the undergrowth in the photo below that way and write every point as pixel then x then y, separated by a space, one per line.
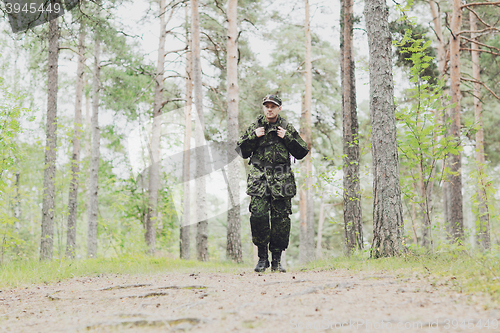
pixel 463 271
pixel 26 272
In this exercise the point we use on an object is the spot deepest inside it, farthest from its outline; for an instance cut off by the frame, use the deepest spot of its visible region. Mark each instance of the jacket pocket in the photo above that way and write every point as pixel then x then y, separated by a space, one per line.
pixel 256 184
pixel 283 185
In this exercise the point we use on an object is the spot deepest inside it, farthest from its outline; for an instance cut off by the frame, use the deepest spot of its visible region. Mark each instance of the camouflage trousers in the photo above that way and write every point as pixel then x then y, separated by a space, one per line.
pixel 277 233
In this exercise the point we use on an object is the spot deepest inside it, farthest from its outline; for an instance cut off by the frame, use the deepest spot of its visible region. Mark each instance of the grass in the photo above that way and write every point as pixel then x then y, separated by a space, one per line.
pixel 27 272
pixel 461 270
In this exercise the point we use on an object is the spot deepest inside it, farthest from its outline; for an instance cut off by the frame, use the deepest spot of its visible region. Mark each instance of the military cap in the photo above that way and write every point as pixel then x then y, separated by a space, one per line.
pixel 273 99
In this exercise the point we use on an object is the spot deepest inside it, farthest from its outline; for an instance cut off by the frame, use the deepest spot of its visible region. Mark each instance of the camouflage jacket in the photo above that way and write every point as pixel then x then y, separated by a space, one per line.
pixel 270 171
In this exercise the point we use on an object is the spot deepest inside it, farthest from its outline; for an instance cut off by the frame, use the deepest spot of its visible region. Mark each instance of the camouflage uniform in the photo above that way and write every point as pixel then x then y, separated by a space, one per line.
pixel 271 183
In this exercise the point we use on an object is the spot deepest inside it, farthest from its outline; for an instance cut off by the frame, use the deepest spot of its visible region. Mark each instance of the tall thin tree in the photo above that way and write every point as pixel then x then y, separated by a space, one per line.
pixel 387 207
pixel 455 162
pixel 49 192
pixel 353 227
pixel 443 70
pixel 201 215
pixel 306 234
pixel 482 220
pixel 75 159
pixel 233 248
pixel 154 168
pixel 95 147
pixel 186 168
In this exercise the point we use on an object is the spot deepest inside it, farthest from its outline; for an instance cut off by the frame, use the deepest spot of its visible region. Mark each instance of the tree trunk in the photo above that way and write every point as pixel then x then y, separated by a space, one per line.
pixel 436 20
pixel 353 225
pixel 94 160
pixel 427 241
pixel 387 208
pixel 319 252
pixel 186 171
pixel 414 218
pixel 482 220
pixel 233 249
pixel 442 66
pixel 49 174
pixel 306 245
pixel 455 163
pixel 75 161
pixel 201 216
pixel 154 168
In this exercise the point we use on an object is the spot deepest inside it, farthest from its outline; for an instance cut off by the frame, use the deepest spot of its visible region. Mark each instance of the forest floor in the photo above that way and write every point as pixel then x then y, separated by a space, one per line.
pixel 243 301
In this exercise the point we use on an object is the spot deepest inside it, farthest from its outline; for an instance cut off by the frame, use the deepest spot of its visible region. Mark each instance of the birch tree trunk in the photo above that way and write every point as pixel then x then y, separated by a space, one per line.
pixel 95 152
pixel 353 225
pixel 48 205
pixel 154 168
pixel 186 170
pixel 75 160
pixel 387 208
pixel 455 163
pixel 233 249
pixel 306 242
pixel 202 226
pixel 482 220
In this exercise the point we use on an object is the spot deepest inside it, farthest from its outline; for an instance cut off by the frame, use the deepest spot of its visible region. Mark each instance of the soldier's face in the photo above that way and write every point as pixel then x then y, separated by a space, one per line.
pixel 271 111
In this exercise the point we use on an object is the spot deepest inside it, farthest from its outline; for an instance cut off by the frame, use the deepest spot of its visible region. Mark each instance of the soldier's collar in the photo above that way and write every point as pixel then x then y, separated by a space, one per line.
pixel 263 120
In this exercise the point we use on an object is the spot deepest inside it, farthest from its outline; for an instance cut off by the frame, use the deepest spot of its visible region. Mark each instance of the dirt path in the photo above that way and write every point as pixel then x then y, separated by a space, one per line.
pixel 327 301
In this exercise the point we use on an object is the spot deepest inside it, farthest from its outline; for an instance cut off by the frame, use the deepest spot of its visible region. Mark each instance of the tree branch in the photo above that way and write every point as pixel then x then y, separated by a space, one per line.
pixel 68 48
pixel 478 31
pixel 480 4
pixel 478 17
pixel 479 50
pixel 171 100
pixel 481 83
pixel 479 43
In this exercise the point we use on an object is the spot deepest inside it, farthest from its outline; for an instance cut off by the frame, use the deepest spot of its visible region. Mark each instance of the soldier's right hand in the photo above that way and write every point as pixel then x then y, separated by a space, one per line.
pixel 259 132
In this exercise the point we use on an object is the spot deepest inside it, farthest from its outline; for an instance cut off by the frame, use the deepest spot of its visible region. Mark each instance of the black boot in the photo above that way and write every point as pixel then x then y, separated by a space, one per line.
pixel 276 263
pixel 263 259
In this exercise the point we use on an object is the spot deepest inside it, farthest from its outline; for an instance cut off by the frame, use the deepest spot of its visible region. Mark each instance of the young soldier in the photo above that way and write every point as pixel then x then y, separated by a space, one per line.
pixel 269 142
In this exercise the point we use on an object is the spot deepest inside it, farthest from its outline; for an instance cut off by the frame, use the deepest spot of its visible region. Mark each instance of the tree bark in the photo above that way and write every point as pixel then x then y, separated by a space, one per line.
pixel 201 216
pixel 186 171
pixel 482 220
pixel 48 205
pixel 438 28
pixel 154 168
pixel 455 163
pixel 442 66
pixel 233 249
pixel 353 225
pixel 95 153
pixel 306 242
pixel 424 190
pixel 319 252
pixel 75 160
pixel 387 208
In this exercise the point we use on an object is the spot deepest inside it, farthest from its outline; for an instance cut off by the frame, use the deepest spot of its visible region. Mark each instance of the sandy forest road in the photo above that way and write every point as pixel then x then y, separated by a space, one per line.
pixel 245 302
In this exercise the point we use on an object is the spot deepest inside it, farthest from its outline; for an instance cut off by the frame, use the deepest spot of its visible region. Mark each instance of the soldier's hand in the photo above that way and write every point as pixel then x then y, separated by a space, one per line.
pixel 281 132
pixel 259 132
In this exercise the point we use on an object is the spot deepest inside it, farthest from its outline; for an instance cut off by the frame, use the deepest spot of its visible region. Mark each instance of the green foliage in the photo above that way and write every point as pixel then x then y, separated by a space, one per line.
pixel 27 272
pixel 422 139
pixel 405 33
pixel 457 268
pixel 10 127
pixel 10 114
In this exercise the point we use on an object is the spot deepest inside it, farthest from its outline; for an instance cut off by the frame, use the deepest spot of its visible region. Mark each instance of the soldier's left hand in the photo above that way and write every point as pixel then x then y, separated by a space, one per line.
pixel 281 132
